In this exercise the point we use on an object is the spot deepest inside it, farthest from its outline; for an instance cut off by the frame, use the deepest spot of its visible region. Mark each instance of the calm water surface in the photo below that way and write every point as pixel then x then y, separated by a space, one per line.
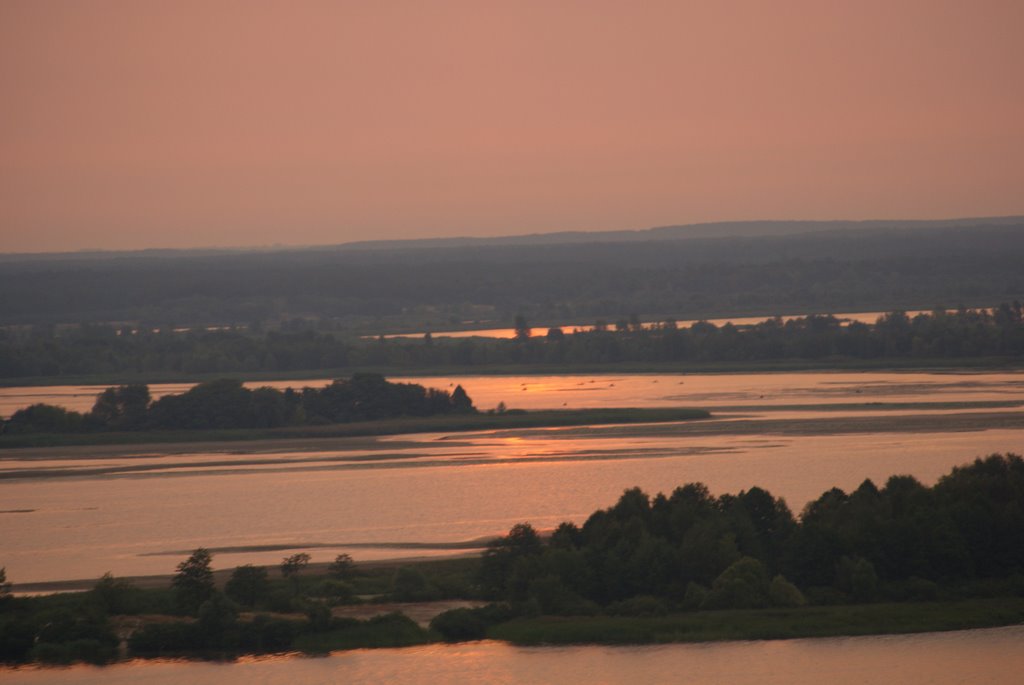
pixel 67 514
pixel 638 390
pixel 976 657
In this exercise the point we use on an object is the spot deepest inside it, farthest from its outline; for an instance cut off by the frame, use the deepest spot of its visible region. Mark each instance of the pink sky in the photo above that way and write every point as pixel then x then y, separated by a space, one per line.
pixel 181 124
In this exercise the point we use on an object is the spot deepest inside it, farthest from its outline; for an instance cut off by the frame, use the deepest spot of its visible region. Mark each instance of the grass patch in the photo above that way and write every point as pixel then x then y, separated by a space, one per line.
pixel 765 624
pixel 388 630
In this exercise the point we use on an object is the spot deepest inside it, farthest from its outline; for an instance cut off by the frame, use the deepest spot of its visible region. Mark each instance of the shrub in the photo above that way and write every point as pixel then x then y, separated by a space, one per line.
pixel 335 591
pixel 458 625
pixel 166 639
pixel 555 598
pixel 410 585
pixel 343 567
pixel 267 634
pixel 319 616
pixel 641 605
pixel 248 585
pixel 856 576
pixel 744 585
pixel 90 650
pixel 218 619
pixel 17 637
pixel 696 595
pixel 783 593
pixel 281 601
pixel 116 595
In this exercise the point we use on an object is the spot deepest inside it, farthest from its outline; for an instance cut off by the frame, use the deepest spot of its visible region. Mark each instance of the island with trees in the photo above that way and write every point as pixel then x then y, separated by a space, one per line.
pixel 366 404
pixel 679 567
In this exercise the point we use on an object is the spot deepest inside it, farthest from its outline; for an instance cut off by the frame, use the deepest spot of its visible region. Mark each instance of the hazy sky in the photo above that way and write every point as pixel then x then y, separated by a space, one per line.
pixel 144 124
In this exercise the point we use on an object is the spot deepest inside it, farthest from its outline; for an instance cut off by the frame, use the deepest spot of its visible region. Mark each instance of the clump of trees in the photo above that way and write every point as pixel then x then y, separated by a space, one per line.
pixel 227 403
pixel 693 550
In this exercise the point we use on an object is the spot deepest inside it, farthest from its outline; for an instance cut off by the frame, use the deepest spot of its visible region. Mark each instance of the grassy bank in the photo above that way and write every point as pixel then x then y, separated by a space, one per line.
pixel 431 424
pixel 295 614
pixel 765 624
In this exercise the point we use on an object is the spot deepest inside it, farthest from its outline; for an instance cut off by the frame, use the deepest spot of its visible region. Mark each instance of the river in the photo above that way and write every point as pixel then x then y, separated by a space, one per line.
pixel 975 657
pixel 581 391
pixel 71 513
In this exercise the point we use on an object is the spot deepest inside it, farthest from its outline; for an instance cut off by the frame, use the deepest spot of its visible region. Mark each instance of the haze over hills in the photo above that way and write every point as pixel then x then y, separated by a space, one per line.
pixel 685 272
pixel 709 230
pixel 718 229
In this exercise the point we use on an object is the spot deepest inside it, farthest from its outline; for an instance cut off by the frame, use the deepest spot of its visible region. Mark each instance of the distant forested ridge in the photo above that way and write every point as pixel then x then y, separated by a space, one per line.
pixel 684 272
pixel 227 404
pixel 106 350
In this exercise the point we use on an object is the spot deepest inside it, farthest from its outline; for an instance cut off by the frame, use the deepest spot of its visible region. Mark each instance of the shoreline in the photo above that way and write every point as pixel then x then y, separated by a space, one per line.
pixel 894 365
pixel 810 622
pixel 403 433
pixel 463 423
pixel 220 576
pixel 687 628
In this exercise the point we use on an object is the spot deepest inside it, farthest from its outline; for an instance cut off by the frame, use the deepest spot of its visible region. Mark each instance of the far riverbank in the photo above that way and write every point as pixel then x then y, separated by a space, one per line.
pixel 910 365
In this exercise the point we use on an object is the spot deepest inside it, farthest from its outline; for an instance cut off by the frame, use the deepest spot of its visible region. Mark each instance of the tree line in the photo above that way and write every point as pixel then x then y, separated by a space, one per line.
pixel 692 550
pixel 998 332
pixel 228 404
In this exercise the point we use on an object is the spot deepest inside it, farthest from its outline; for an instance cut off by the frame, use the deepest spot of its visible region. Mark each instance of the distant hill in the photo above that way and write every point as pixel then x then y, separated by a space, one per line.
pixel 720 229
pixel 714 230
pixel 683 272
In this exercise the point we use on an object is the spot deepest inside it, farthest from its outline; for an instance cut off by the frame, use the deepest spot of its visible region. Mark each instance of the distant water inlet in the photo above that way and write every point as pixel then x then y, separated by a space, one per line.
pixel 975 657
pixel 509 333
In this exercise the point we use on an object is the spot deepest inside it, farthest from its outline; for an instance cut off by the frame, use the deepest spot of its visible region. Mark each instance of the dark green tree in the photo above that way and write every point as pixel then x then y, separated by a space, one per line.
pixel 193 582
pixel 294 565
pixel 247 585
pixel 343 567
pixel 292 568
pixel 522 328
pixel 122 408
pixel 461 402
pixel 501 556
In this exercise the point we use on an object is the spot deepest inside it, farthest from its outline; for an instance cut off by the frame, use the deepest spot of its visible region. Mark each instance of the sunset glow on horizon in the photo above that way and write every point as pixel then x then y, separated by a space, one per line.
pixel 129 125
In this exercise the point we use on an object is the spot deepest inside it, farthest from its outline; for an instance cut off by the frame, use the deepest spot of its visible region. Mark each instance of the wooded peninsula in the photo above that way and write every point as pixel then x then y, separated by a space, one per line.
pixel 686 566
